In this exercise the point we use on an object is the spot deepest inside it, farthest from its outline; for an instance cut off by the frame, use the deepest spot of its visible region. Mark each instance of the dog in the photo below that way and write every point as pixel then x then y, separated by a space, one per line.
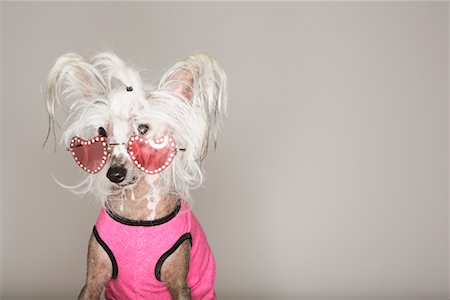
pixel 141 148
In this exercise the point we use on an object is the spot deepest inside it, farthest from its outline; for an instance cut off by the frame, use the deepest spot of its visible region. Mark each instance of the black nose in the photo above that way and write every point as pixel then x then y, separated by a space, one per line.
pixel 116 174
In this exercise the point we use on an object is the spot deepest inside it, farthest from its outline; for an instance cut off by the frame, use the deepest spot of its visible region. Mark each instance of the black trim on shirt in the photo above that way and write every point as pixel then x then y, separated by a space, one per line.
pixel 162 259
pixel 156 222
pixel 115 269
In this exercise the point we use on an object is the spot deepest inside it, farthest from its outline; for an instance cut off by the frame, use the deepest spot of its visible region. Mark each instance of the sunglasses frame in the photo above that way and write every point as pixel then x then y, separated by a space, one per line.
pixel 79 142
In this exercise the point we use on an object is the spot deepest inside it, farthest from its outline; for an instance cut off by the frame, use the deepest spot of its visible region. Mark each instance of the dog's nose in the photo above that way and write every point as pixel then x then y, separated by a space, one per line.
pixel 116 174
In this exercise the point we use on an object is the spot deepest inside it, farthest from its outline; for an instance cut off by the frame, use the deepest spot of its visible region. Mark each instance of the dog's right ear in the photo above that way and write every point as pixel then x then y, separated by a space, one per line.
pixel 72 82
pixel 73 79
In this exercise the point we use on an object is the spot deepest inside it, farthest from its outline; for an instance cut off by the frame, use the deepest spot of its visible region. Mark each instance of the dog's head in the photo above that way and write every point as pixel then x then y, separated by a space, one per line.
pixel 120 130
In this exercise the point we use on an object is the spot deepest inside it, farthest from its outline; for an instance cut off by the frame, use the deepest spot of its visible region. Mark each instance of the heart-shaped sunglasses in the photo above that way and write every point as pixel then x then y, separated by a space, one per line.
pixel 148 155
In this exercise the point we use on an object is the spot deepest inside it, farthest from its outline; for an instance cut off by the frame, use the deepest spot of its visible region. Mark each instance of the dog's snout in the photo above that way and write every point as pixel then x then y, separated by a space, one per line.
pixel 116 174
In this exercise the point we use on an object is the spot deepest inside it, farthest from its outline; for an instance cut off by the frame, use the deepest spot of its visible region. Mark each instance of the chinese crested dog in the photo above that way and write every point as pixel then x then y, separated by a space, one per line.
pixel 141 149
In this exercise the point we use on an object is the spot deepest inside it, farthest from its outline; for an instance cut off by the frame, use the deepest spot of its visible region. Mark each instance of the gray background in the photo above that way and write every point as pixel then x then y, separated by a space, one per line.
pixel 331 177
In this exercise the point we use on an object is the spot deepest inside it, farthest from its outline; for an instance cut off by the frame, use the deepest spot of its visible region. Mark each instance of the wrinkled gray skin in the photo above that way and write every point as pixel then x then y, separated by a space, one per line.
pixel 174 270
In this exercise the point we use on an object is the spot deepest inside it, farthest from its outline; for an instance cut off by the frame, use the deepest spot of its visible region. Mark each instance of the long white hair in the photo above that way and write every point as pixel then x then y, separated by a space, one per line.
pixel 190 101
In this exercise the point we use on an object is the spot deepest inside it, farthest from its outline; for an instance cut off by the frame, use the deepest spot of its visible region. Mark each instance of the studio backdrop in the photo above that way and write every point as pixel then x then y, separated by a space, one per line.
pixel 330 177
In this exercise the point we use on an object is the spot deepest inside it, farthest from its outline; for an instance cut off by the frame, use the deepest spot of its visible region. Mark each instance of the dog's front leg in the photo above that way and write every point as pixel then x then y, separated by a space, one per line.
pixel 99 270
pixel 174 272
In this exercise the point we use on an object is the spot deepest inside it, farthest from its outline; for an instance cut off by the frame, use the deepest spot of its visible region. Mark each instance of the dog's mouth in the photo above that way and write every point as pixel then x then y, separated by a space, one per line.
pixel 127 183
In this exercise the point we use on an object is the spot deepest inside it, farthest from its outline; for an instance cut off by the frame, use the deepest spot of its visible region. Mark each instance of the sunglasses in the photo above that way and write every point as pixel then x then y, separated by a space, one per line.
pixel 148 155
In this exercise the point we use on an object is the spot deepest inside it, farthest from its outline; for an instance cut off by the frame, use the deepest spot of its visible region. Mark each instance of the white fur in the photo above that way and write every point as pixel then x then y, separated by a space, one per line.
pixel 188 105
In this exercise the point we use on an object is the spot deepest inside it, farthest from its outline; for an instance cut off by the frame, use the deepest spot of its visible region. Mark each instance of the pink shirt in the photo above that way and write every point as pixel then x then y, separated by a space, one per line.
pixel 137 250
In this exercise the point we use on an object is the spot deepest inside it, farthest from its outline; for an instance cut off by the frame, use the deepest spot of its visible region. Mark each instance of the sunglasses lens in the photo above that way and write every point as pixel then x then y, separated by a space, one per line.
pixel 152 156
pixel 91 154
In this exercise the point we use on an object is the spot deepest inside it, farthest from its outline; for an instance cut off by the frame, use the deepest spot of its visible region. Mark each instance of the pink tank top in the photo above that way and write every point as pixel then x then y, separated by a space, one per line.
pixel 138 249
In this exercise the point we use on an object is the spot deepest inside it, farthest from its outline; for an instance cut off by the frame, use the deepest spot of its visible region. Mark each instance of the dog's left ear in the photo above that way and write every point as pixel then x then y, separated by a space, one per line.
pixel 199 77
pixel 201 82
pixel 180 81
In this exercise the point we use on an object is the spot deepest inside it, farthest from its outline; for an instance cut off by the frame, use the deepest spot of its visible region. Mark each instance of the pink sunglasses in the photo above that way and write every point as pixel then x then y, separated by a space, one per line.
pixel 148 155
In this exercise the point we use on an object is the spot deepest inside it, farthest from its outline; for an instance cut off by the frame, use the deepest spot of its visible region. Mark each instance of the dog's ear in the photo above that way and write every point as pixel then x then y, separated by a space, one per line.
pixel 72 84
pixel 73 79
pixel 180 81
pixel 200 81
pixel 199 77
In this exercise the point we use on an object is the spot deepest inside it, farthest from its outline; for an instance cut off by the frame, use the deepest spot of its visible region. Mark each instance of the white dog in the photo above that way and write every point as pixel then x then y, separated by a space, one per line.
pixel 141 149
